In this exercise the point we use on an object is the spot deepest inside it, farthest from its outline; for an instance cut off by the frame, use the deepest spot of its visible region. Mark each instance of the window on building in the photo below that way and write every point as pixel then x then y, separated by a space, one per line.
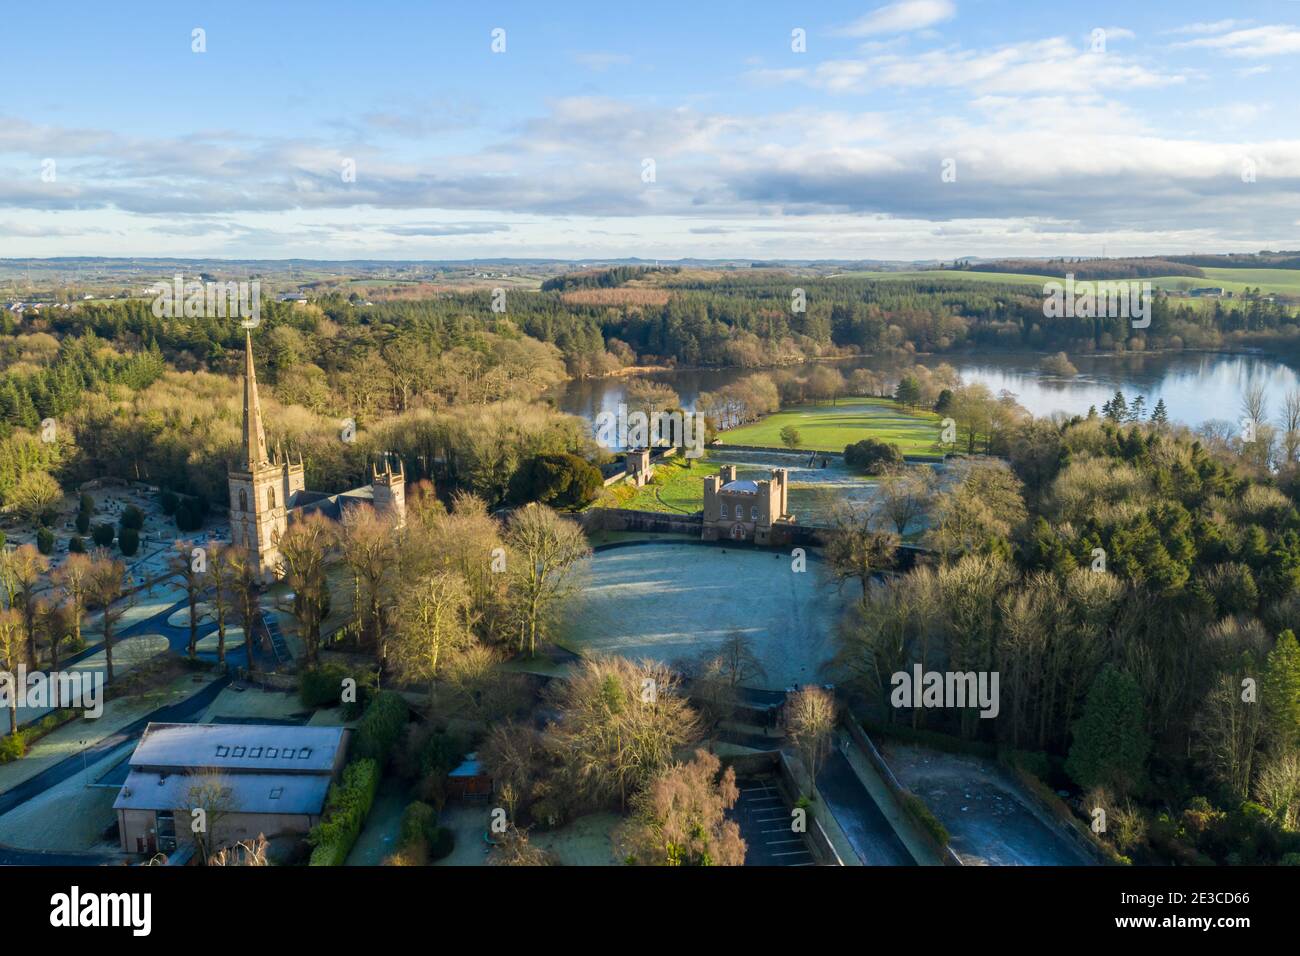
pixel 272 752
pixel 304 753
pixel 223 751
pixel 255 752
pixel 270 497
pixel 753 512
pixel 238 752
pixel 276 792
pixel 243 500
pixel 724 510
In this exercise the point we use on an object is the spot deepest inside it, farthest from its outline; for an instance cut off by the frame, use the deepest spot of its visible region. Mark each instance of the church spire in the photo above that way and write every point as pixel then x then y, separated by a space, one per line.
pixel 254 436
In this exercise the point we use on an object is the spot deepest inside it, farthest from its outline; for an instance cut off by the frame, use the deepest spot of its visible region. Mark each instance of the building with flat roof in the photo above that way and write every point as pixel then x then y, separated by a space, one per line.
pixel 739 509
pixel 272 780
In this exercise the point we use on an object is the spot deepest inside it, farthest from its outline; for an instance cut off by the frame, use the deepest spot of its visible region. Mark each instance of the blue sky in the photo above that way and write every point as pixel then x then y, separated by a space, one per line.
pixel 923 128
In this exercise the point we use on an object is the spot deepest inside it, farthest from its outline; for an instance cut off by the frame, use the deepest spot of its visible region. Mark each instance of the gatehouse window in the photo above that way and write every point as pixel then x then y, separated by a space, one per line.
pixel 753 513
pixel 724 510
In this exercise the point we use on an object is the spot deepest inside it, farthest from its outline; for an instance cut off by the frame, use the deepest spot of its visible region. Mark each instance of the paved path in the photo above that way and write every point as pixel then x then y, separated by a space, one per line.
pixel 867 829
pixel 178 640
pixel 178 712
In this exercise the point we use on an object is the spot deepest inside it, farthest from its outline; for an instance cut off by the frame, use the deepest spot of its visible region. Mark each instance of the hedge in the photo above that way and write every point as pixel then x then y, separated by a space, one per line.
pixel 918 811
pixel 346 809
pixel 381 727
pixel 323 687
pixel 13 746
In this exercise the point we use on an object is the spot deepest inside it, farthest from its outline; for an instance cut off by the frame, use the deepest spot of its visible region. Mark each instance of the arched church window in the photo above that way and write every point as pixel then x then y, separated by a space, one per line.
pixel 753 512
pixel 243 500
pixel 270 497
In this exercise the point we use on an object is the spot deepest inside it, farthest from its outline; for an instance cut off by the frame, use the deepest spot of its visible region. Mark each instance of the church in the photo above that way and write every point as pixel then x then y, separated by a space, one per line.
pixel 268 492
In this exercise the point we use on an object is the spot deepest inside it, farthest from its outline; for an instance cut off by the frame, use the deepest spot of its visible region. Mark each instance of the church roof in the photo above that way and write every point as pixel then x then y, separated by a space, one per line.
pixel 741 486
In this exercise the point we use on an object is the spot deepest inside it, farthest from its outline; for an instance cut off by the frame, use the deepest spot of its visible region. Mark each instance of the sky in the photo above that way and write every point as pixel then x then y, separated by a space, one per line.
pixel 439 130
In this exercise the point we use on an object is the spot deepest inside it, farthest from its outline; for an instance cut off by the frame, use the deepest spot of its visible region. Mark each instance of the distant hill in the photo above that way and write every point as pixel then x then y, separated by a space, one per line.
pixel 1089 268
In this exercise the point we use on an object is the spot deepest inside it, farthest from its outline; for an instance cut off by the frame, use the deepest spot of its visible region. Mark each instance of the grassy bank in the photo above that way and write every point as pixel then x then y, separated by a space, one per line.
pixel 832 427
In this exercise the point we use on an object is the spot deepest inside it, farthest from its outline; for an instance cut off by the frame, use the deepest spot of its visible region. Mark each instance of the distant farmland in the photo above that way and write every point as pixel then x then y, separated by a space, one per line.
pixel 1275 281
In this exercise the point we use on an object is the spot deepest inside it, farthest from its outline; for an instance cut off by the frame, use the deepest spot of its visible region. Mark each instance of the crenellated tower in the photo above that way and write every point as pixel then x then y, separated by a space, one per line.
pixel 389 488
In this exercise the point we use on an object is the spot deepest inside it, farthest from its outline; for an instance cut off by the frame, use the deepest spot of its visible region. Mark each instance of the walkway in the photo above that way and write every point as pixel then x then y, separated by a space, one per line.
pixel 867 829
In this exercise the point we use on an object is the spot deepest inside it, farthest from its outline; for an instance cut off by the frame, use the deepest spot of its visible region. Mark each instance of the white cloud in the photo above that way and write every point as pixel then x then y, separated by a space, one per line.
pixel 1217 26
pixel 901 17
pixel 1276 40
pixel 1040 66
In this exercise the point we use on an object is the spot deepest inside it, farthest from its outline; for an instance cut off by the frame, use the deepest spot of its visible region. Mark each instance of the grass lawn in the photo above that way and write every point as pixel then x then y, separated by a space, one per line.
pixel 832 427
pixel 674 488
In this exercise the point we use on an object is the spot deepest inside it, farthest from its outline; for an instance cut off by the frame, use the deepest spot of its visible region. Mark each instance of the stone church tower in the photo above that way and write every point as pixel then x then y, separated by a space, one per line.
pixel 262 489
pixel 389 490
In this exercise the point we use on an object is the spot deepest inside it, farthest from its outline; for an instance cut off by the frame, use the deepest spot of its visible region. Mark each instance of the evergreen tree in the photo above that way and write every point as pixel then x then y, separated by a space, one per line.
pixel 1280 692
pixel 1117 408
pixel 1160 415
pixel 1110 740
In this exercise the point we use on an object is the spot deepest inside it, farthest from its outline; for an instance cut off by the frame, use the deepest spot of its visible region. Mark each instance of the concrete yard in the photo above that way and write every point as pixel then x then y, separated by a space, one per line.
pixel 671 601
pixel 990 823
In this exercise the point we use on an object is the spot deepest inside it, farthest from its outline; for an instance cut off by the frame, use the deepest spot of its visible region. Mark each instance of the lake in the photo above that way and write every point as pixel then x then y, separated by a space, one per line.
pixel 1196 386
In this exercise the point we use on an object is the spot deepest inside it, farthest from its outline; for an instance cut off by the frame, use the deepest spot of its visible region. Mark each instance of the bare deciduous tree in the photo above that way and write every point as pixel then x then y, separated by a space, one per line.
pixel 809 721
pixel 544 552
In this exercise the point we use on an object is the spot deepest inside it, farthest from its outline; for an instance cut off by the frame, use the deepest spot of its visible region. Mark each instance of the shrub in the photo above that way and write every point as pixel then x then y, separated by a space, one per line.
pixel 187 518
pixel 45 541
pixel 83 522
pixel 13 746
pixel 87 504
pixel 806 805
pixel 560 480
pixel 129 541
pixel 77 544
pixel 872 457
pixel 346 809
pixel 103 535
pixel 1031 762
pixel 133 518
pixel 916 809
pixel 169 503
pixel 419 825
pixel 381 727
pixel 323 687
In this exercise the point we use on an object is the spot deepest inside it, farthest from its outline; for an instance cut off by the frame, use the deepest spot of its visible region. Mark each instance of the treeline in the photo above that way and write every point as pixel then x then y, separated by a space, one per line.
pixel 1117 269
pixel 603 278
pixel 1136 595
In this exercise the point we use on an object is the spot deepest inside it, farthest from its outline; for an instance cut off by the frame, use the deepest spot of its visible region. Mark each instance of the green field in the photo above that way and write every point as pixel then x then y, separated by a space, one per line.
pixel 832 427
pixel 1277 281
pixel 674 487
